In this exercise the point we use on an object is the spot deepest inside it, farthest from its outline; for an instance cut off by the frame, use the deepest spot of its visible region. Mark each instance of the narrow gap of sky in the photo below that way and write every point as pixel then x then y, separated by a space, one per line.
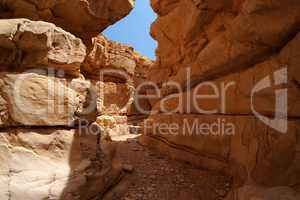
pixel 134 29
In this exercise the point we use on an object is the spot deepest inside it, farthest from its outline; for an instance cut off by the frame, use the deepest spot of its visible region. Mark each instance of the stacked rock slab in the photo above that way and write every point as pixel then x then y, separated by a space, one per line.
pixel 26 44
pixel 250 48
pixel 44 96
pixel 43 154
pixel 116 71
pixel 85 19
pixel 38 100
pixel 51 163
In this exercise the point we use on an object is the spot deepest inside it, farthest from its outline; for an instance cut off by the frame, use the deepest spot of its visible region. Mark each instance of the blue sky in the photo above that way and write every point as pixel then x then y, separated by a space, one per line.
pixel 134 29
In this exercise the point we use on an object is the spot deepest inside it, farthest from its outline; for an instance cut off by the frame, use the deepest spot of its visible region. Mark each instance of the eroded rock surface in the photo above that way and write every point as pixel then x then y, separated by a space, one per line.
pixel 114 98
pixel 38 100
pixel 235 61
pixel 28 44
pixel 113 126
pixel 50 149
pixel 104 54
pixel 117 71
pixel 241 145
pixel 240 41
pixel 51 164
pixel 83 18
pixel 252 192
pixel 220 37
pixel 236 89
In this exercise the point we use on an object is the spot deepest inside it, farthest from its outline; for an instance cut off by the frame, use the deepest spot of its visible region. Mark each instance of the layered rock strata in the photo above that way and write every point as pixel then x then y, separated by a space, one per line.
pixel 43 154
pixel 51 163
pixel 27 45
pixel 233 66
pixel 50 95
pixel 116 71
pixel 85 19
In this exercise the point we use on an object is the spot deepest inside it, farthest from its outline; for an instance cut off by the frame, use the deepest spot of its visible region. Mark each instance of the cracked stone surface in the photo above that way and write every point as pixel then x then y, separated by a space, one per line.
pixel 29 44
pixel 84 18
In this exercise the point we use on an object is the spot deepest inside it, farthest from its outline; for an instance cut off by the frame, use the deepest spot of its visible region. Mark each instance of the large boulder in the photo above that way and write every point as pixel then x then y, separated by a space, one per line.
pixel 29 44
pixel 84 18
pixel 52 164
pixel 31 99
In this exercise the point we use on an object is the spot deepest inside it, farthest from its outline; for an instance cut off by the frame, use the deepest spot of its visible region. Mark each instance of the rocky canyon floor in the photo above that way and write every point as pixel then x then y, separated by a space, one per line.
pixel 152 176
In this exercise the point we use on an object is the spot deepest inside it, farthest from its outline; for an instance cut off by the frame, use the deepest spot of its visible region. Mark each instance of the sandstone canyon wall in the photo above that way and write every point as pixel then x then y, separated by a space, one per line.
pixel 231 45
pixel 61 81
pixel 51 94
pixel 85 19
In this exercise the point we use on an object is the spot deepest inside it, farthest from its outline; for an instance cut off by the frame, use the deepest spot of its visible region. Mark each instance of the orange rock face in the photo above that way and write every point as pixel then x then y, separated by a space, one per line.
pixel 119 71
pixel 217 37
pixel 83 18
pixel 240 145
pixel 27 44
pixel 49 143
pixel 228 94
pixel 235 89
pixel 105 54
pixel 236 61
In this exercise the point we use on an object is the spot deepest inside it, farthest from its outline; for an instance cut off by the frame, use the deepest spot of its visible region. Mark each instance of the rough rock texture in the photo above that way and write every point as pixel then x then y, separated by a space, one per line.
pixel 222 41
pixel 248 149
pixel 104 54
pixel 114 98
pixel 237 87
pixel 252 192
pixel 247 42
pixel 220 37
pixel 117 71
pixel 113 125
pixel 49 147
pixel 38 100
pixel 28 44
pixel 51 164
pixel 84 18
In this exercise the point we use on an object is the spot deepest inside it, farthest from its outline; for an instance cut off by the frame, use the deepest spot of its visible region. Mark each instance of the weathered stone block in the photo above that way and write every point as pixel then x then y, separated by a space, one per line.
pixel 38 100
pixel 29 44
